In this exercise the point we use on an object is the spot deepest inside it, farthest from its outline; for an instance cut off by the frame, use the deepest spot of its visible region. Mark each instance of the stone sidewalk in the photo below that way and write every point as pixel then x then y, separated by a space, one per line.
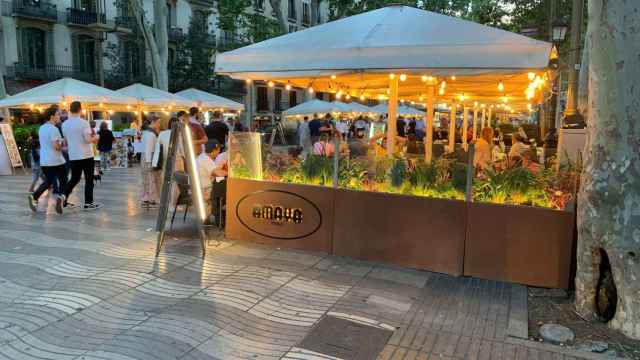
pixel 86 285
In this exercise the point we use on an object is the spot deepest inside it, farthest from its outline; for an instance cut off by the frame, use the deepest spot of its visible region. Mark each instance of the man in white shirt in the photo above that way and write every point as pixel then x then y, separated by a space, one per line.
pixel 210 168
pixel 52 162
pixel 80 137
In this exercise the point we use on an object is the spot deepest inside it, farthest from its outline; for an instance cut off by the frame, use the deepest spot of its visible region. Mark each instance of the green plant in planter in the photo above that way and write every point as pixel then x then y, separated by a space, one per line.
pixel 352 174
pixel 459 176
pixel 423 176
pixel 398 173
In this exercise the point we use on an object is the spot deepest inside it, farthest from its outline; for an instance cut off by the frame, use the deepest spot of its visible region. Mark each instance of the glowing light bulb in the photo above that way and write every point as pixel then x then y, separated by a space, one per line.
pixel 531 76
pixel 288 87
pixel 310 90
pixel 475 103
pixel 483 106
pixel 462 97
pixel 339 95
pixel 333 77
pixel 505 99
pixel 500 86
pixel 443 84
pixel 271 84
pixel 530 94
pixel 248 81
pixel 128 107
pixel 392 76
pixel 441 91
pixel 403 77
pixel 425 78
pixel 101 105
pixel 421 98
pixel 361 97
pixel 348 97
pixel 453 77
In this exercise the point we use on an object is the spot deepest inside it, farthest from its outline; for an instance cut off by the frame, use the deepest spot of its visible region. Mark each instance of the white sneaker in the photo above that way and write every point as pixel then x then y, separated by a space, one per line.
pixel 94 206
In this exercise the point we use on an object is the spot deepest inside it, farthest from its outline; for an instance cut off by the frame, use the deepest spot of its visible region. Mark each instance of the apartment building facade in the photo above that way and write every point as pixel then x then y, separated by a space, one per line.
pixel 44 40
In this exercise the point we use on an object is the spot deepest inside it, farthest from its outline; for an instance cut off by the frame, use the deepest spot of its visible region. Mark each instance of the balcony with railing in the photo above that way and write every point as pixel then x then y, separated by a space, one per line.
pixel 22 71
pixel 37 10
pixel 126 23
pixel 82 17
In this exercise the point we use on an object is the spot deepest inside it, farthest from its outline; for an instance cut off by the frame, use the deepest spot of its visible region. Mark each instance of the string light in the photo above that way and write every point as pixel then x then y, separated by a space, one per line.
pixel 475 104
pixel 500 86
pixel 248 81
pixel 333 77
pixel 425 78
pixel 392 76
pixel 421 98
pixel 443 84
pixel 531 76
pixel 453 77
pixel 530 93
pixel 348 97
pixel 429 78
pixel 403 77
pixel 271 84
pixel 462 97
pixel 505 99
pixel 288 87
pixel 441 91
pixel 361 97
pixel 311 90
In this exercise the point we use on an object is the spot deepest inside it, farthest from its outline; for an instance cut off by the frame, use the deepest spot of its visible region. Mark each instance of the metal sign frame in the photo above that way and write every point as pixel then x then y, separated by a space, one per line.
pixel 178 131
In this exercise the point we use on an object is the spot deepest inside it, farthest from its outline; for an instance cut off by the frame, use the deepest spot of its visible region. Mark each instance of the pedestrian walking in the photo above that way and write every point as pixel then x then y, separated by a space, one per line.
pixel 105 145
pixel 150 178
pixel 78 134
pixel 36 171
pixel 52 162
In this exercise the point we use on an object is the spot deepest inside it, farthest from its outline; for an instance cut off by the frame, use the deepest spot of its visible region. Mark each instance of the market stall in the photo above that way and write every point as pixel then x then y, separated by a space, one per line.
pixel 392 202
pixel 319 107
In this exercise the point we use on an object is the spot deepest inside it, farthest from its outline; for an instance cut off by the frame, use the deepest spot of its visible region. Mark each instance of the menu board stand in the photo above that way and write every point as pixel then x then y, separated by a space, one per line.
pixel 11 158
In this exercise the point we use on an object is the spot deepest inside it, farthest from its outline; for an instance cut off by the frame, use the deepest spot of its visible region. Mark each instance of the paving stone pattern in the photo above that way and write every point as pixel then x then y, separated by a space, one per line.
pixel 86 286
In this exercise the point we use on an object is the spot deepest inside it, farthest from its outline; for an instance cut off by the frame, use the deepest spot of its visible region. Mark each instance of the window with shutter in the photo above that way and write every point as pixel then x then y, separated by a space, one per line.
pixel 278 100
pixel 262 99
pixel 293 98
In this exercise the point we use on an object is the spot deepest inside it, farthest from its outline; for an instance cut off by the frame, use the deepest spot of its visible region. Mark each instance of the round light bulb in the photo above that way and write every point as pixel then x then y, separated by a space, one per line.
pixel 403 77
pixel 348 97
pixel 271 84
pixel 361 97
pixel 310 90
pixel 288 87
pixel 425 78
pixel 453 77
pixel 500 86
pixel 531 76
pixel 248 81
pixel 392 76
pixel 443 84
pixel 441 91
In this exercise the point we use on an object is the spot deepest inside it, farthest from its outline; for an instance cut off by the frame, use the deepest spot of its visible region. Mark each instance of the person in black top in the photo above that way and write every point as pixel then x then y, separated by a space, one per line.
pixel 400 127
pixel 217 129
pixel 105 145
pixel 314 129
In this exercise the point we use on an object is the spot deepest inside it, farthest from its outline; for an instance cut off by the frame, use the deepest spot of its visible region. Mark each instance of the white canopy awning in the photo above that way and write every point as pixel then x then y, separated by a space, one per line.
pixel 152 97
pixel 395 37
pixel 356 107
pixel 206 100
pixel 67 90
pixel 402 110
pixel 316 107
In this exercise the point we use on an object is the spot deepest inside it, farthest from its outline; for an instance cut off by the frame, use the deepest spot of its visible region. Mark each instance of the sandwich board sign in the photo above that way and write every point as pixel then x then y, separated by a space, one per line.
pixel 10 146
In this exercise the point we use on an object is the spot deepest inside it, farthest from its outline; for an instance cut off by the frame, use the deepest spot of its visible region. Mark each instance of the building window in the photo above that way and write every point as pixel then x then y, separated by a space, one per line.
pixel 293 28
pixel 262 99
pixel 85 54
pixel 133 56
pixel 292 10
pixel 306 13
pixel 319 95
pixel 171 14
pixel 86 5
pixel 278 100
pixel 293 98
pixel 258 5
pixel 33 44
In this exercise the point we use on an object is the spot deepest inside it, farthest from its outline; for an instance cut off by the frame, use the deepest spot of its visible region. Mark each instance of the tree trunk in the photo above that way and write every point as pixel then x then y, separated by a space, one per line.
pixel 276 5
pixel 158 66
pixel 162 41
pixel 609 199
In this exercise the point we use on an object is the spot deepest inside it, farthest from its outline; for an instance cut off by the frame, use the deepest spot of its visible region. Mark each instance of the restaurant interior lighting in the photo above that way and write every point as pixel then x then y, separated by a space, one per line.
pixel 361 97
pixel 505 99
pixel 462 97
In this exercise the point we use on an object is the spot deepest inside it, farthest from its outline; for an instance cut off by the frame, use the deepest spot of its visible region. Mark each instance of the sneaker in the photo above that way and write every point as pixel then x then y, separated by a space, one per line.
pixel 93 206
pixel 59 204
pixel 69 205
pixel 33 204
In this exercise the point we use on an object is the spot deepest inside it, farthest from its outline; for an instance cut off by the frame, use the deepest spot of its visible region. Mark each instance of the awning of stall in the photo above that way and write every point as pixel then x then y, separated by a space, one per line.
pixel 206 100
pixel 403 110
pixel 64 91
pixel 356 108
pixel 319 107
pixel 357 54
pixel 155 99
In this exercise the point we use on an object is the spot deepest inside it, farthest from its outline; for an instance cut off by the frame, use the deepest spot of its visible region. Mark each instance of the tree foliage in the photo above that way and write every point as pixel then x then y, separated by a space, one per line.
pixel 192 65
pixel 236 17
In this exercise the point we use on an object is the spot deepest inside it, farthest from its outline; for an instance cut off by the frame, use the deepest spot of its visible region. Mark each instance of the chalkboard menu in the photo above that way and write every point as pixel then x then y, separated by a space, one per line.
pixel 10 144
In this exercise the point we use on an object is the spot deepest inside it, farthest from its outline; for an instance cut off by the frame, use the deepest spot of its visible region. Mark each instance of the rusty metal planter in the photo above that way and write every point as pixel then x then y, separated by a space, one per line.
pixel 519 244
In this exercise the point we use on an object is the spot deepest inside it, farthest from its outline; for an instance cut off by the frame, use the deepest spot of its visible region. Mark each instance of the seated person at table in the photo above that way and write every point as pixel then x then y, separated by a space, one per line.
pixel 483 156
pixel 208 171
pixel 359 146
pixel 379 144
pixel 518 147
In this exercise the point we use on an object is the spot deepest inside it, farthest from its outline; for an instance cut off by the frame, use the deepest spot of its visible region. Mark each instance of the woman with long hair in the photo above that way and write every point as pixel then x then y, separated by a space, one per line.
pixel 149 185
pixel 483 157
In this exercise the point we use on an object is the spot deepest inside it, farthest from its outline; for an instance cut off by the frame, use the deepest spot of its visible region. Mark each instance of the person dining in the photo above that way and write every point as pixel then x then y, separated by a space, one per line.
pixel 209 170
pixel 483 156
pixel 323 147
pixel 518 147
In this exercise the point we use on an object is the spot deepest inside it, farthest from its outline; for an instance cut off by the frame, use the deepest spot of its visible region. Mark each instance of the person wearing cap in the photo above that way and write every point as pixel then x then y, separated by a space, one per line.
pixel 209 169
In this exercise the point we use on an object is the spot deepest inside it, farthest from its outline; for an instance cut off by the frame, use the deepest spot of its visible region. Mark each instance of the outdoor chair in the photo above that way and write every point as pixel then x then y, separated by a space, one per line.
pixel 219 200
pixel 184 195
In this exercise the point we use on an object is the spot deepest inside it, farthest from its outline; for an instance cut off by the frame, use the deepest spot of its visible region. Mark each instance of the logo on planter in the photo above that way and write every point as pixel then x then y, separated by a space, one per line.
pixel 278 214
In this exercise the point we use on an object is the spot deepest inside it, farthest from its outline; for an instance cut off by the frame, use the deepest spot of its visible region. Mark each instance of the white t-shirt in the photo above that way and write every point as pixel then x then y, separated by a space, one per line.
pixel 148 145
pixel 49 156
pixel 221 160
pixel 75 131
pixel 205 165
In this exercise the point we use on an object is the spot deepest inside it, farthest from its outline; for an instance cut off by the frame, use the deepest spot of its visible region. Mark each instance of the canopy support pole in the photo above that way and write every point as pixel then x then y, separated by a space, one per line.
pixel 393 114
pixel 484 116
pixel 490 116
pixel 465 127
pixel 428 126
pixel 452 128
pixel 475 124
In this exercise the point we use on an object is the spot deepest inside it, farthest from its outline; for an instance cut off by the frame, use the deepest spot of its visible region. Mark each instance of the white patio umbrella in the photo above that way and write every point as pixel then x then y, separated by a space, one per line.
pixel 65 91
pixel 210 101
pixel 402 53
pixel 356 107
pixel 316 107
pixel 149 97
pixel 402 110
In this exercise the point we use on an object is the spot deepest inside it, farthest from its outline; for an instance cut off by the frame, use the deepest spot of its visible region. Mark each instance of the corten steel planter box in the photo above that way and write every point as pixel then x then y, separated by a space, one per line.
pixel 280 215
pixel 519 244
pixel 417 232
